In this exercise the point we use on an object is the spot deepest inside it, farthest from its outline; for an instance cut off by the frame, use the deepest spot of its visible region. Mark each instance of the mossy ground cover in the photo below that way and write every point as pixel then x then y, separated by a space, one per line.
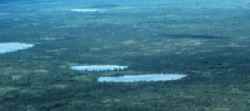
pixel 209 44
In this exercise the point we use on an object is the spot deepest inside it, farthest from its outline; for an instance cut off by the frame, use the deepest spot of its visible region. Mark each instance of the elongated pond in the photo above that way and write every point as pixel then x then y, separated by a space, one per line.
pixel 98 68
pixel 13 47
pixel 142 78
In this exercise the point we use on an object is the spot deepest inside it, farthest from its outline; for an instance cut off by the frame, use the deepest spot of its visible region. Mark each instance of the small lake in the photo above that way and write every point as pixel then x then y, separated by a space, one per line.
pixel 142 78
pixel 86 10
pixel 13 47
pixel 98 68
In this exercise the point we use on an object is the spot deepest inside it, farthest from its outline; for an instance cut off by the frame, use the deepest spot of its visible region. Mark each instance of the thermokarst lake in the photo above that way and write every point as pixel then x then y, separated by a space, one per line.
pixel 86 10
pixel 98 68
pixel 142 78
pixel 13 47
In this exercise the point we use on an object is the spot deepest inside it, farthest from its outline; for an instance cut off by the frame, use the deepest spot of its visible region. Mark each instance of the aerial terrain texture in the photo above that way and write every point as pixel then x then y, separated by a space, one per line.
pixel 124 55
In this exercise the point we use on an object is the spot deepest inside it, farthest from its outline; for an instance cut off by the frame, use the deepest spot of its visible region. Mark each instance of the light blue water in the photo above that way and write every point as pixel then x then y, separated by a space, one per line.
pixel 142 78
pixel 13 47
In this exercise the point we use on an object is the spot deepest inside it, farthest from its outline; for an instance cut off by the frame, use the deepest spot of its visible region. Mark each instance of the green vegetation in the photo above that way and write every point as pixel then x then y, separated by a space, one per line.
pixel 209 44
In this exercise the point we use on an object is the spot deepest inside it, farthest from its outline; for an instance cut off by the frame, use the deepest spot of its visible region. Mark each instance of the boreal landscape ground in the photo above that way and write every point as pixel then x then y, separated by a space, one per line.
pixel 208 40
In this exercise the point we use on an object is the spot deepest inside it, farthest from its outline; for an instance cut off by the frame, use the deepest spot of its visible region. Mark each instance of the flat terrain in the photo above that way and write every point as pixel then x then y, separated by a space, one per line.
pixel 207 40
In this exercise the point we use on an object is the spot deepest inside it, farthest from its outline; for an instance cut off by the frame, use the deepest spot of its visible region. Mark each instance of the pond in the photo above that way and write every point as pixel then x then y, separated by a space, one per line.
pixel 13 47
pixel 142 78
pixel 98 68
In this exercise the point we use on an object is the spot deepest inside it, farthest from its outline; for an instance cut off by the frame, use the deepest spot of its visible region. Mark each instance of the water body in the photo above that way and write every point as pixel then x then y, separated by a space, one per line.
pixel 13 47
pixel 86 10
pixel 142 78
pixel 99 68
